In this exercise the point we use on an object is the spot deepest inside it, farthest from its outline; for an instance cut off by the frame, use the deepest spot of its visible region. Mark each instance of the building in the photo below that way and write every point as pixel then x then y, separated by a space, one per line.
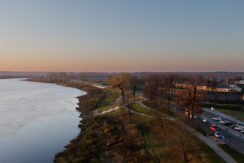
pixel 234 88
pixel 241 82
pixel 224 97
pixel 183 85
pixel 221 88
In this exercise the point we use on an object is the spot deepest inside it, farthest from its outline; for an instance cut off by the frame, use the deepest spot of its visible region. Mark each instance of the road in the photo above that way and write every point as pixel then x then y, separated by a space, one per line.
pixel 230 135
pixel 227 117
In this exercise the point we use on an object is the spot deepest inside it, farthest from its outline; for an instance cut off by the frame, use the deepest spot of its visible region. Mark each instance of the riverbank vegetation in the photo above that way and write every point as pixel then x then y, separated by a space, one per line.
pixel 122 137
pixel 139 136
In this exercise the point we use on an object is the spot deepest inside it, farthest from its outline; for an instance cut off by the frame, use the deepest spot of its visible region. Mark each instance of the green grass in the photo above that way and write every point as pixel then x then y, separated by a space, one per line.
pixel 109 99
pixel 239 157
pixel 107 107
pixel 201 130
pixel 139 97
pixel 147 103
pixel 146 119
pixel 197 127
pixel 115 112
pixel 225 106
pixel 233 113
pixel 137 107
pixel 172 114
pixel 212 156
pixel 156 146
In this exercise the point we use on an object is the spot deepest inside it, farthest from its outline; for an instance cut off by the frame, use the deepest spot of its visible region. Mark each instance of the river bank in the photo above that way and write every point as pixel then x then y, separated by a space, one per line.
pixel 87 103
pixel 118 136
pixel 102 138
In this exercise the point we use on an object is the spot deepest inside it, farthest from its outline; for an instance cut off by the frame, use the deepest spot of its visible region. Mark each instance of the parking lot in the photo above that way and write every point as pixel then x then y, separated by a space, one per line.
pixel 233 138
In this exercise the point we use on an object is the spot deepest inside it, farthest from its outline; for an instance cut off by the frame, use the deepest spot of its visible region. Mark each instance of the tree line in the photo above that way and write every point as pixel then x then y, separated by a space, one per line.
pixel 161 89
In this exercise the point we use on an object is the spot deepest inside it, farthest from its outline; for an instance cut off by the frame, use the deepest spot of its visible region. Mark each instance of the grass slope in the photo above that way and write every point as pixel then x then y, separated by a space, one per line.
pixel 239 157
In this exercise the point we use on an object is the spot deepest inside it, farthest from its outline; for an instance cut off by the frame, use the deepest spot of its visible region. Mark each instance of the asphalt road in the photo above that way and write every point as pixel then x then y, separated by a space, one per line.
pixel 230 135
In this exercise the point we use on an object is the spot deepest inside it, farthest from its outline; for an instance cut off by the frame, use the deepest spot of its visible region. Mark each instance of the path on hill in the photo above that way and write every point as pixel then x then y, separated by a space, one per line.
pixel 211 143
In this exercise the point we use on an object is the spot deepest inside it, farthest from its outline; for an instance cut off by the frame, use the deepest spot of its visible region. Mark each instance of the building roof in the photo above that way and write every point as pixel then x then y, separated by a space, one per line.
pixel 223 86
pixel 241 82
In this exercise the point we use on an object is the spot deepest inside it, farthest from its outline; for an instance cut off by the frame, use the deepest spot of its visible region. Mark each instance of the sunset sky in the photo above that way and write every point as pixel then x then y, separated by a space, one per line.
pixel 125 35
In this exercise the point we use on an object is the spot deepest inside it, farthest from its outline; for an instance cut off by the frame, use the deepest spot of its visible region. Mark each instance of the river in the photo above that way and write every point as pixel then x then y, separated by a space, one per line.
pixel 36 120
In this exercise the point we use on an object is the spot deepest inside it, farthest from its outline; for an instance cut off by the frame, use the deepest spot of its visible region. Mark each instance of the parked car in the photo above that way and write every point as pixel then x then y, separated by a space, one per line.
pixel 242 131
pixel 233 126
pixel 241 127
pixel 237 128
pixel 217 118
pixel 225 122
pixel 222 122
pixel 204 120
pixel 228 123
pixel 213 128
pixel 217 134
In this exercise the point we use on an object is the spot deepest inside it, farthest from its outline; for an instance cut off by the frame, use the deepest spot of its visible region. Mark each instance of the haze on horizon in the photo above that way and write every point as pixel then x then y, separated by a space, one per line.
pixel 139 35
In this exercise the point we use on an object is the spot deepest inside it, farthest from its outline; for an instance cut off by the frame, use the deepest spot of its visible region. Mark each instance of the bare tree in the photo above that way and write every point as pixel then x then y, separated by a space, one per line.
pixel 184 142
pixel 212 83
pixel 122 82
pixel 133 85
pixel 191 98
pixel 168 88
pixel 152 86
pixel 82 77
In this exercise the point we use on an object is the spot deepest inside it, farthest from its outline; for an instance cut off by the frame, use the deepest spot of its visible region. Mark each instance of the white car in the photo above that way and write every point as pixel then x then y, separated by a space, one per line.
pixel 233 126
pixel 204 120
pixel 237 128
pixel 222 122
pixel 217 134
pixel 242 131
pixel 217 118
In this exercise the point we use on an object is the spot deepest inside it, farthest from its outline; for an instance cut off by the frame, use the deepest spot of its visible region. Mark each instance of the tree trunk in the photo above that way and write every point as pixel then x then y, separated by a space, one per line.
pixel 134 94
pixel 168 100
pixel 185 159
pixel 184 152
pixel 194 102
pixel 129 107
pixel 164 125
pixel 122 94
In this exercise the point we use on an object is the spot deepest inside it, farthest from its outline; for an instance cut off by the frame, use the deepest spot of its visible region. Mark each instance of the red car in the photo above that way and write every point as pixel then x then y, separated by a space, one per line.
pixel 213 128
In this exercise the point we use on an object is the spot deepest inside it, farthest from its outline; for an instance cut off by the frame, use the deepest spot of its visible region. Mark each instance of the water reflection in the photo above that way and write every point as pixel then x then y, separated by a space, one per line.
pixel 36 120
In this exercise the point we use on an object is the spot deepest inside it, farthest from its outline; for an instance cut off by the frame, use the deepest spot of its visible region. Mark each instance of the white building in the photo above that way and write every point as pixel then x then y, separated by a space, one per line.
pixel 235 88
pixel 241 82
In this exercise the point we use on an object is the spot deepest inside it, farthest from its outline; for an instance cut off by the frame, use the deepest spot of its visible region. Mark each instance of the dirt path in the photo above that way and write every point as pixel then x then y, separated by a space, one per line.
pixel 132 111
pixel 107 111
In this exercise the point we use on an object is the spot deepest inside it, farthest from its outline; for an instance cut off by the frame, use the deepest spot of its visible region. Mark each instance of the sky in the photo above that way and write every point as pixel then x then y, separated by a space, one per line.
pixel 121 35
